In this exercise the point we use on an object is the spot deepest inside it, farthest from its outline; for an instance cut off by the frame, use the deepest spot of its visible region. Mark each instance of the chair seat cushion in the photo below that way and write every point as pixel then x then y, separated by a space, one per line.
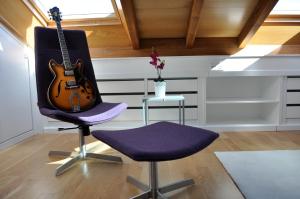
pixel 98 114
pixel 161 141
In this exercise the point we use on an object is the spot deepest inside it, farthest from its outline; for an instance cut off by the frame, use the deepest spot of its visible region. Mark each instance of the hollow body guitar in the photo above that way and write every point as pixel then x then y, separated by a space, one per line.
pixel 70 90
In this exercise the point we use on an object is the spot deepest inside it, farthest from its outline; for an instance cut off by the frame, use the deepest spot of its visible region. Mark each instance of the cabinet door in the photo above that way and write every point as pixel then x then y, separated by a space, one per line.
pixel 15 100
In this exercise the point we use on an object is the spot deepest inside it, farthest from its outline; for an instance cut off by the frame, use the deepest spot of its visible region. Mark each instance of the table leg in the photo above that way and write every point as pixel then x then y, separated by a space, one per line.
pixel 183 113
pixel 179 109
pixel 145 112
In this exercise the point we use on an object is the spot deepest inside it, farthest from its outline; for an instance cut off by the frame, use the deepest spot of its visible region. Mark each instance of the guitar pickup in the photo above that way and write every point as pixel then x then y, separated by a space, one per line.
pixel 71 84
pixel 69 73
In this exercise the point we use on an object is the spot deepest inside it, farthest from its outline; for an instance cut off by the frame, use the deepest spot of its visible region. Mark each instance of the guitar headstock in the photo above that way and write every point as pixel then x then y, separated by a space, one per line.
pixel 55 14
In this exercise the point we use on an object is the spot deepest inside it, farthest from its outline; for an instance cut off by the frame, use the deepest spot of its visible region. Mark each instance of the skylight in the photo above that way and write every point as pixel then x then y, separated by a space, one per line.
pixel 287 7
pixel 78 9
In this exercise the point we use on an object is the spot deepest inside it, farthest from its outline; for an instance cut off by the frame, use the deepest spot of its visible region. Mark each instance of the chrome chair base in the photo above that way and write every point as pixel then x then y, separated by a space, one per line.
pixel 153 191
pixel 81 155
pixel 75 157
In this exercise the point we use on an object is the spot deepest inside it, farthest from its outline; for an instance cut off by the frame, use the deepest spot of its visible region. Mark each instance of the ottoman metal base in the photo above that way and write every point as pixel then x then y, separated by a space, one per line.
pixel 153 191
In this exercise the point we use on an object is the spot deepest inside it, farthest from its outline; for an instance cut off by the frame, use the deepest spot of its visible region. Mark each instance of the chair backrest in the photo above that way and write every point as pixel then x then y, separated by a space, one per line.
pixel 47 47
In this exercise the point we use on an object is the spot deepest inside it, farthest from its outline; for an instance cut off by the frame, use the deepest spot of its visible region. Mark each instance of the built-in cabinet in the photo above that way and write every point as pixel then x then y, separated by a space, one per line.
pixel 16 121
pixel 293 97
pixel 222 103
pixel 291 103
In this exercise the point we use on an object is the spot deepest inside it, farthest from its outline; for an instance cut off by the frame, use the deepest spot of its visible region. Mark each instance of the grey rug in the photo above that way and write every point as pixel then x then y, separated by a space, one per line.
pixel 264 174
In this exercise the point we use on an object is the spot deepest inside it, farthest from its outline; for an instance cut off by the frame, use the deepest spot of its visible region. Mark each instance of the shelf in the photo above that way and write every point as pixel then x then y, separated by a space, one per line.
pixel 242 113
pixel 240 101
pixel 242 89
pixel 240 125
pixel 252 122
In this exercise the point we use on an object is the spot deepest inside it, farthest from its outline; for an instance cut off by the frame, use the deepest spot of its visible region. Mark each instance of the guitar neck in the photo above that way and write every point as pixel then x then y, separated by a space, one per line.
pixel 63 47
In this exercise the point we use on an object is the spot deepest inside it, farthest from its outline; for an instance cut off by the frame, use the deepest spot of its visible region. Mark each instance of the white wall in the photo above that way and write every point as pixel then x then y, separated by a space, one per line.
pixel 195 66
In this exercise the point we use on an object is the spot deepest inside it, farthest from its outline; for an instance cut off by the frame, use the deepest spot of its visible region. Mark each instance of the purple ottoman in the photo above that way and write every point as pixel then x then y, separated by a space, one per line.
pixel 161 141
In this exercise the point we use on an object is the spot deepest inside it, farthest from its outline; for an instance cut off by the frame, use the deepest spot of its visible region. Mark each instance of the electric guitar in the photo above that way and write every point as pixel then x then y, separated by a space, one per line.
pixel 69 90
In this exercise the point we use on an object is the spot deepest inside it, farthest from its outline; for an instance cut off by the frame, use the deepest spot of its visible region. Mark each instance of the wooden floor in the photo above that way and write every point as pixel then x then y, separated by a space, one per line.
pixel 26 172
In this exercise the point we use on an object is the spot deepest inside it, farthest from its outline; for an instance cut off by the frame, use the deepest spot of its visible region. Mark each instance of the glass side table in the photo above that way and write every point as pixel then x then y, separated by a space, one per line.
pixel 148 99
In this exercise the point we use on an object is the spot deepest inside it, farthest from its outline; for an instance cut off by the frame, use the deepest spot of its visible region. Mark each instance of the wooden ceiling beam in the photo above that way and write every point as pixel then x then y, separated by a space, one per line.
pixel 193 23
pixel 125 9
pixel 36 11
pixel 172 47
pixel 282 20
pixel 12 29
pixel 256 19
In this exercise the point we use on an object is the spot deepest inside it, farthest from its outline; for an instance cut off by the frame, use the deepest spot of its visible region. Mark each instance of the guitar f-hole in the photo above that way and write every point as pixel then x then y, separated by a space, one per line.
pixel 58 89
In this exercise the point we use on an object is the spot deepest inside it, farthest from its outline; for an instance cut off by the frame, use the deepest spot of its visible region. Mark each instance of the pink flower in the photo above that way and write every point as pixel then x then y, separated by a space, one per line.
pixel 154 58
pixel 161 65
pixel 154 55
pixel 157 63
pixel 153 62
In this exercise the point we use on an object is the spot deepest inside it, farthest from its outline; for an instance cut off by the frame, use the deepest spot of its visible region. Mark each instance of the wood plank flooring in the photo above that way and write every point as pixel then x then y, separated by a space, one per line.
pixel 26 171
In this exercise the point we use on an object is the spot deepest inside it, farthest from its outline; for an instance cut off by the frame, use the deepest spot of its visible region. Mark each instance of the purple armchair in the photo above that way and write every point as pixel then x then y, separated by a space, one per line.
pixel 46 48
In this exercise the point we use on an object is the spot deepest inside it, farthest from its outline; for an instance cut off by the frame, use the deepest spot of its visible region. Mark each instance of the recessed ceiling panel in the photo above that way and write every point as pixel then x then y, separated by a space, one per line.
pixel 224 18
pixel 162 18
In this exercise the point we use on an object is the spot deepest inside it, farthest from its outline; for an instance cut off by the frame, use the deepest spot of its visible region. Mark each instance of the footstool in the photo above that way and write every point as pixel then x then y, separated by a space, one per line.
pixel 162 141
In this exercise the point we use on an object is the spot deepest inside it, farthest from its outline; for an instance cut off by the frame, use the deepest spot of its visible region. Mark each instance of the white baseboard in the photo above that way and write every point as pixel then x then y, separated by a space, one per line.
pixel 16 139
pixel 289 127
pixel 240 128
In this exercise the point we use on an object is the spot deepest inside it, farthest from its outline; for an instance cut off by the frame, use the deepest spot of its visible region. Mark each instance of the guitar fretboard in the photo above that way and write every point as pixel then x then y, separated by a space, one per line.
pixel 63 47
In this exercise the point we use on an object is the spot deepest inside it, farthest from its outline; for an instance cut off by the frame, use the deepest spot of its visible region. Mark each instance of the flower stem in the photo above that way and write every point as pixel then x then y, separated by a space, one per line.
pixel 158 73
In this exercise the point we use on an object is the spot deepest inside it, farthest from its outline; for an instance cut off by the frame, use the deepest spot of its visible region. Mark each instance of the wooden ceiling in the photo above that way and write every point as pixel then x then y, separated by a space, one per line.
pixel 177 27
pixel 193 19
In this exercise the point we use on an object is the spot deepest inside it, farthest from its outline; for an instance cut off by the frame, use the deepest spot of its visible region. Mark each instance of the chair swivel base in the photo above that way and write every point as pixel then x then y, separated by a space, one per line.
pixel 75 157
pixel 81 155
pixel 153 191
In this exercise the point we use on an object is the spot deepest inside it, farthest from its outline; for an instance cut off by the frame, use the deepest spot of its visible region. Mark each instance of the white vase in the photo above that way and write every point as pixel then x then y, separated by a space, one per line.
pixel 160 89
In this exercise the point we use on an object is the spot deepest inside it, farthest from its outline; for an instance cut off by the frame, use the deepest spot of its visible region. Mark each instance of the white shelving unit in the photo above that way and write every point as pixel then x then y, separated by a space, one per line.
pixel 242 101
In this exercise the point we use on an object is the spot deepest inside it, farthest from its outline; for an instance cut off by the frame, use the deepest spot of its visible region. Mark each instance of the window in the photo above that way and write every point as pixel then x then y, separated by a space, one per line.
pixel 78 9
pixel 287 7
